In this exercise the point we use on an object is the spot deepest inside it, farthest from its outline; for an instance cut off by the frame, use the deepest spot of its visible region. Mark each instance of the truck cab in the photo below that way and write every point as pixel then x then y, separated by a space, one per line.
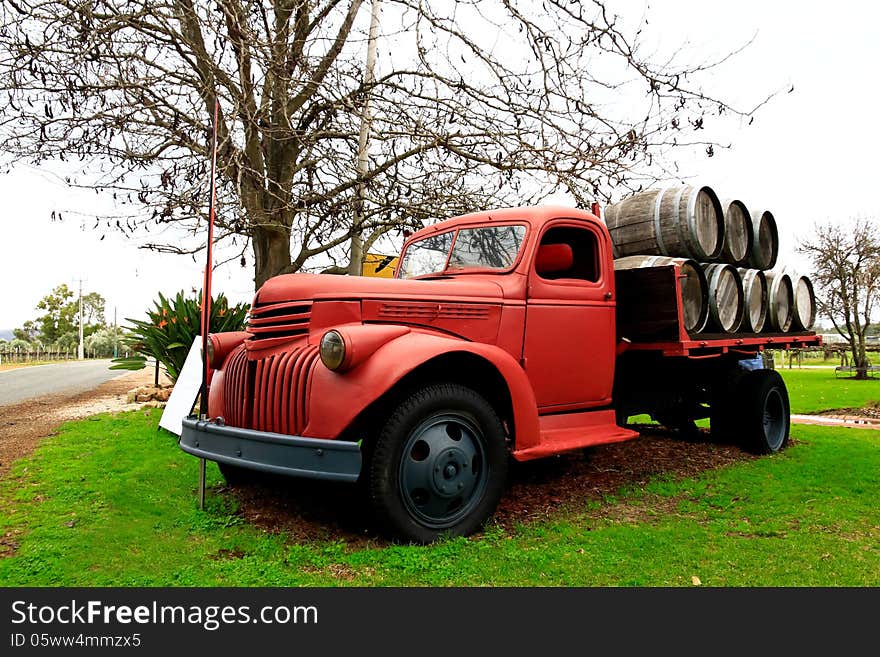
pixel 496 338
pixel 555 269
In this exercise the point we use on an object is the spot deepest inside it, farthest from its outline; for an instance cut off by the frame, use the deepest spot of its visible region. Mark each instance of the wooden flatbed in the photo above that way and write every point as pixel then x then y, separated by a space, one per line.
pixel 650 318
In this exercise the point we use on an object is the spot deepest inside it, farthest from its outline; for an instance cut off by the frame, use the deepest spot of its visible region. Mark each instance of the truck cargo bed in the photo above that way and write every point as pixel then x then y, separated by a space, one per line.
pixel 650 318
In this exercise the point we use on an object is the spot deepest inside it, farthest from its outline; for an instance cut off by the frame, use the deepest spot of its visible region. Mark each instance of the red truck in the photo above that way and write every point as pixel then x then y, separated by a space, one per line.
pixel 503 334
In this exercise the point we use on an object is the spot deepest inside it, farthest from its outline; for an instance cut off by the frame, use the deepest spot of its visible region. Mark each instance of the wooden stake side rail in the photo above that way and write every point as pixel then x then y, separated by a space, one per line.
pixel 650 317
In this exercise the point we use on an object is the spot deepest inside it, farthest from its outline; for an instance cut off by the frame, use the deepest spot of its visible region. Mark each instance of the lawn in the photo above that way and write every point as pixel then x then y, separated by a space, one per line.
pixel 816 389
pixel 109 501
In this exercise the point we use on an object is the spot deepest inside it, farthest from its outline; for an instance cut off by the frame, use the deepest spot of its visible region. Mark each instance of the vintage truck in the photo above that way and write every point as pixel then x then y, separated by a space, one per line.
pixel 503 334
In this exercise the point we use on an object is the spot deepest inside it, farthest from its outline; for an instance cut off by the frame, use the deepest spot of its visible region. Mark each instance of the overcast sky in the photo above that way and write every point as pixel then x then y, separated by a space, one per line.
pixel 809 155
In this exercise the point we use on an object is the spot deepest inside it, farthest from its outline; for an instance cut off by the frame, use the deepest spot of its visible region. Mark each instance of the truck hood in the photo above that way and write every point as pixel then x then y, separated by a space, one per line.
pixel 295 287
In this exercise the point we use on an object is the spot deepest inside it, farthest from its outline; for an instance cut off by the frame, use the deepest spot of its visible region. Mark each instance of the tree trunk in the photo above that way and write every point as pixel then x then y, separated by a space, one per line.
pixel 356 262
pixel 860 358
pixel 271 252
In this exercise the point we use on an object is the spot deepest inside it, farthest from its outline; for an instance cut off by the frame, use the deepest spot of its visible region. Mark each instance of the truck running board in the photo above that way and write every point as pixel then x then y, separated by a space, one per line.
pixel 569 431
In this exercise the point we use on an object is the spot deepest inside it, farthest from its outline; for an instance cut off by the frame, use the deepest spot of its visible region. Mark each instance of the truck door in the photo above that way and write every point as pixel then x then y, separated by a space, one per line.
pixel 569 339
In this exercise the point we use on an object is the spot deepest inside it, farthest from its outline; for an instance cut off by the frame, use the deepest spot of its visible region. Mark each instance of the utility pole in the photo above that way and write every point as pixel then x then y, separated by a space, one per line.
pixel 355 267
pixel 115 336
pixel 80 354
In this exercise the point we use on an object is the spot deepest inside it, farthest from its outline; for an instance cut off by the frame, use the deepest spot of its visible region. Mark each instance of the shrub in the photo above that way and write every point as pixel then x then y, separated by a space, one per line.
pixel 101 343
pixel 16 344
pixel 171 328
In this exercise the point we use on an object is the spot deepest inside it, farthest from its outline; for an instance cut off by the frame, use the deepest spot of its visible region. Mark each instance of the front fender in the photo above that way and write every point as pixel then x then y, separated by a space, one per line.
pixel 335 400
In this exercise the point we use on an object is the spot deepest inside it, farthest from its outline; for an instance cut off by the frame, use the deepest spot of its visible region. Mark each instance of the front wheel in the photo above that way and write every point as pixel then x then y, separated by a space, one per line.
pixel 439 464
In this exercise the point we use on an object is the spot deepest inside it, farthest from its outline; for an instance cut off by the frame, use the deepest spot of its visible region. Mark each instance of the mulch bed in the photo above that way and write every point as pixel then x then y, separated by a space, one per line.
pixel 870 412
pixel 306 510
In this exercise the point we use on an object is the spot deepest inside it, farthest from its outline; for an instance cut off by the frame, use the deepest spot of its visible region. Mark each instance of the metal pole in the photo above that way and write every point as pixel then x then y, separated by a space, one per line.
pixel 115 336
pixel 80 352
pixel 209 265
pixel 201 484
pixel 206 297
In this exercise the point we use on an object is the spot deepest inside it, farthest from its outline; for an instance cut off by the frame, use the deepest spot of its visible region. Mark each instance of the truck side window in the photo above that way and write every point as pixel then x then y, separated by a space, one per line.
pixel 585 249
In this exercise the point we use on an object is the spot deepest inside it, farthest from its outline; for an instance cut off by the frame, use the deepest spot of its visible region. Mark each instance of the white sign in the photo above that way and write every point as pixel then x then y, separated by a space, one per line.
pixel 185 391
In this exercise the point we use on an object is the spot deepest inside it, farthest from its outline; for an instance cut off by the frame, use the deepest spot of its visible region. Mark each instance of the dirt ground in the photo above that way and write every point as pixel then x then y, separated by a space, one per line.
pixel 23 425
pixel 305 510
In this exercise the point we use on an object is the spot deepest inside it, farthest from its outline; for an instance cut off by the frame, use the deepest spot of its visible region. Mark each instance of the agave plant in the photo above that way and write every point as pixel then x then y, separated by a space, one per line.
pixel 172 326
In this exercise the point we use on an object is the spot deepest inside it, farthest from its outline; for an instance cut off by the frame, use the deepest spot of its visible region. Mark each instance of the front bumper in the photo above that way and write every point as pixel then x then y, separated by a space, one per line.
pixel 312 458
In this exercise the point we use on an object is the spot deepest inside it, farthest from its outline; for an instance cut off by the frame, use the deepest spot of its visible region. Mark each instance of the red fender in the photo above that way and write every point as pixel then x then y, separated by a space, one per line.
pixel 335 400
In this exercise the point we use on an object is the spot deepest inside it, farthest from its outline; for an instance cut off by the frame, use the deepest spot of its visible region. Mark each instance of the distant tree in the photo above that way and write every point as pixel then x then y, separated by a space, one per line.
pixel 845 260
pixel 59 314
pixel 101 343
pixel 475 103
pixel 68 341
pixel 58 325
pixel 19 345
pixel 28 331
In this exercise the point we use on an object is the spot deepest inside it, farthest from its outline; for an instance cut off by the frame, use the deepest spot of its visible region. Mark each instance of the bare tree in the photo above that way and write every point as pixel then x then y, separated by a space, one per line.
pixel 846 276
pixel 474 103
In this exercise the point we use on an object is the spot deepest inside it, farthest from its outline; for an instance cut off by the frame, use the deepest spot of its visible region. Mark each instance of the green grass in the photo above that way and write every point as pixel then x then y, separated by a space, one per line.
pixel 109 501
pixel 812 390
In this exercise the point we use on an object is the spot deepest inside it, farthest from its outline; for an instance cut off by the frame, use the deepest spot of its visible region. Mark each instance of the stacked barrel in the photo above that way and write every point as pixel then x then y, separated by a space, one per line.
pixel 727 256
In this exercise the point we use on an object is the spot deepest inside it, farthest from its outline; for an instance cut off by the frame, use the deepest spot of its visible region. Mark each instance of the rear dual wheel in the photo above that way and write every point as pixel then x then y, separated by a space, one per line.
pixel 765 422
pixel 439 464
pixel 755 413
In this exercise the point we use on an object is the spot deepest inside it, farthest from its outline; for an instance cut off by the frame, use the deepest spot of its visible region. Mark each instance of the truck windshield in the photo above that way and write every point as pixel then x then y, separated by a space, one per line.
pixel 488 247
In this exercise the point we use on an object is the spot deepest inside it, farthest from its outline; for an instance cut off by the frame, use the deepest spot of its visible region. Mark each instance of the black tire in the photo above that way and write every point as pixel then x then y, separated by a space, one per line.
pixel 235 475
pixel 725 407
pixel 763 412
pixel 723 419
pixel 439 465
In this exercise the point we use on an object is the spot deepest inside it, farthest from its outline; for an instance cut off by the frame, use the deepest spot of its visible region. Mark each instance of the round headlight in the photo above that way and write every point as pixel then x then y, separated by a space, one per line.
pixel 332 350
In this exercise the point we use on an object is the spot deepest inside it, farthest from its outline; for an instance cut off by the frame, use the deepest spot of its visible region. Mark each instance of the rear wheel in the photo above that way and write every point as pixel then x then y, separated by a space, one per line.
pixel 439 464
pixel 725 407
pixel 763 411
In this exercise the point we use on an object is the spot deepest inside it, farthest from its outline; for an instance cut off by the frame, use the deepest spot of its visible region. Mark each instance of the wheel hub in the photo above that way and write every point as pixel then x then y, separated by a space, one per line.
pixel 440 474
pixel 450 472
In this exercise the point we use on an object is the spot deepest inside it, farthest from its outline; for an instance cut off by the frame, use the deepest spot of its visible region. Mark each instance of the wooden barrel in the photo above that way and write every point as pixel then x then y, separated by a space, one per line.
pixel 780 302
pixel 765 241
pixel 755 292
pixel 738 238
pixel 804 313
pixel 683 222
pixel 726 303
pixel 694 291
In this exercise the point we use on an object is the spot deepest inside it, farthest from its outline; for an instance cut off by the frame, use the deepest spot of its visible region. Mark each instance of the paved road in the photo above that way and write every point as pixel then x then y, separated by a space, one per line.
pixel 76 376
